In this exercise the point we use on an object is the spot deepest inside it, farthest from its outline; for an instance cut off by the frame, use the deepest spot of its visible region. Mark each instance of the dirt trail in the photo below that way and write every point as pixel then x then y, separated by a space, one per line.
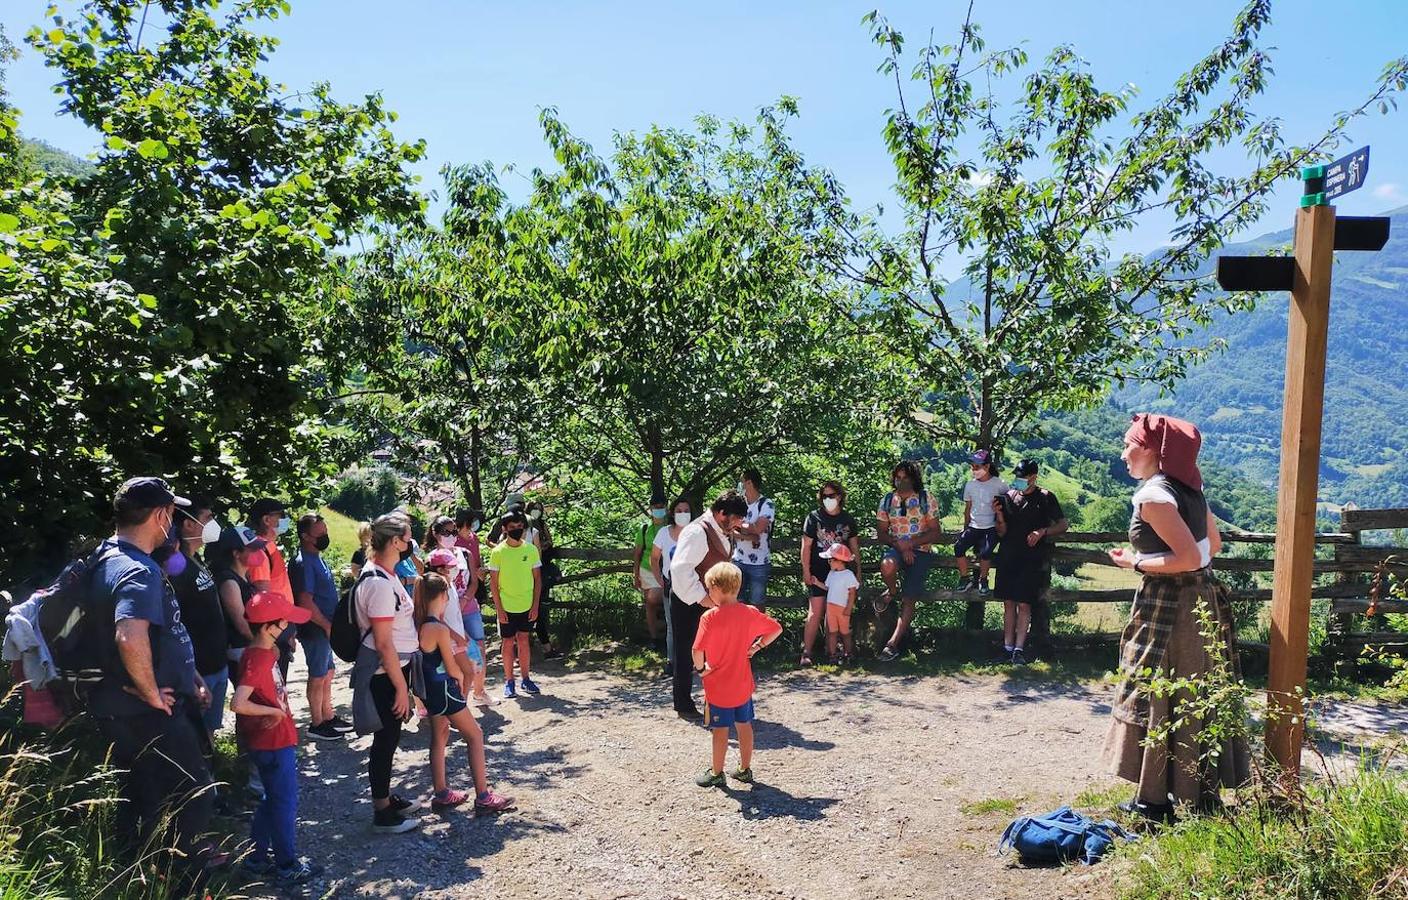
pixel 863 784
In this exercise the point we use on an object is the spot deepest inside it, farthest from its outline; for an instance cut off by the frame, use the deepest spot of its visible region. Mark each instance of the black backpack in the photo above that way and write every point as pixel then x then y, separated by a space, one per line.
pixel 346 637
pixel 78 632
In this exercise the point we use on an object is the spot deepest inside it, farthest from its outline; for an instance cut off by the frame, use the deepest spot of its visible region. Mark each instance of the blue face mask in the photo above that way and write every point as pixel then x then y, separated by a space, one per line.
pixel 283 525
pixel 657 513
pixel 1020 485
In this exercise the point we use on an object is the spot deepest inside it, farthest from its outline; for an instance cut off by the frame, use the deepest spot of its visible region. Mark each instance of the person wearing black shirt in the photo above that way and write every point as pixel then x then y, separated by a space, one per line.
pixel 1027 517
pixel 200 603
pixel 826 525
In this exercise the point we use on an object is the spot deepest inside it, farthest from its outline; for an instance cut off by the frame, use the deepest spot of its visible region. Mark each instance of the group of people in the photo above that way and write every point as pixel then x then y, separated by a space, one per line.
pixel 1010 522
pixel 186 624
pixel 200 612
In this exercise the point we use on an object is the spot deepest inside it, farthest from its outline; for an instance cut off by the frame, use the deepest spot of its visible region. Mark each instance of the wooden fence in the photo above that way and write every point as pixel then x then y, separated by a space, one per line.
pixel 1347 568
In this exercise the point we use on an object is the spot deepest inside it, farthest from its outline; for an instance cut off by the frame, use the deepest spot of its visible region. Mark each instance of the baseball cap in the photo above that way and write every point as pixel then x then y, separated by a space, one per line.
pixel 145 492
pixel 271 606
pixel 980 458
pixel 1025 467
pixel 441 557
pixel 838 551
pixel 238 537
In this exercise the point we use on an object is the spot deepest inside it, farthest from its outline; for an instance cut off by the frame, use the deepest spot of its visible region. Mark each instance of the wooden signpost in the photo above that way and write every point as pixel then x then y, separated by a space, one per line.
pixel 1307 276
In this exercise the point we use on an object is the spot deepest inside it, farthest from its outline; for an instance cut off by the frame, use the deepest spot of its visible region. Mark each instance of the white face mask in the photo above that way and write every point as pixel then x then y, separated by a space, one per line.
pixel 740 487
pixel 474 526
pixel 446 541
pixel 831 504
pixel 210 532
pixel 682 519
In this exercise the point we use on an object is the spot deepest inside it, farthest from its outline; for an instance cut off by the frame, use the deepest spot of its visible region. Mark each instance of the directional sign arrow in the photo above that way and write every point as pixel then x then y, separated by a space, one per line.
pixel 1325 183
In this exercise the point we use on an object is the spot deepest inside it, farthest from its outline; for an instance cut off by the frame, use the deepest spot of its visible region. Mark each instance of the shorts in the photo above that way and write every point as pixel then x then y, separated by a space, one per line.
pixel 317 652
pixel 982 541
pixel 647 580
pixel 724 716
pixel 838 620
pixel 474 626
pixel 443 698
pixel 517 622
pixel 755 583
pixel 913 577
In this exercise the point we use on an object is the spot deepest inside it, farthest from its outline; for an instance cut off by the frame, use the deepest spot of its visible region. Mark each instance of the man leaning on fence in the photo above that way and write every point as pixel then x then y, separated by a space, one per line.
pixel 150 698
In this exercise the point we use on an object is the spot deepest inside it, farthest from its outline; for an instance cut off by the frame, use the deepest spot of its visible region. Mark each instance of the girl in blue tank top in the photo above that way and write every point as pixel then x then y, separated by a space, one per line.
pixel 444 696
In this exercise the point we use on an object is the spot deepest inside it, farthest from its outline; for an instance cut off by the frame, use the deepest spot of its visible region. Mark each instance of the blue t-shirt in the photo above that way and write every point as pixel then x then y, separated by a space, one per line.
pixel 134 584
pixel 310 573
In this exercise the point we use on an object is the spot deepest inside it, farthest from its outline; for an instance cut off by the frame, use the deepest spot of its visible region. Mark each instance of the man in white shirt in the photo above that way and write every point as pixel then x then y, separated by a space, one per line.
pixel 703 543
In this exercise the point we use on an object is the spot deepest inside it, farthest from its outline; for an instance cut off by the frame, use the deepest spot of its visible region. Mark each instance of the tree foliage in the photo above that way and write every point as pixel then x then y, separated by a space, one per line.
pixel 1027 186
pixel 163 308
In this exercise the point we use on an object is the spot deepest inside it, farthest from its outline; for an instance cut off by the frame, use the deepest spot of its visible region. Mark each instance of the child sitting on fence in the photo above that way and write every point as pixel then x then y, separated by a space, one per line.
pixel 442 692
pixel 841 589
pixel 979 523
pixel 728 636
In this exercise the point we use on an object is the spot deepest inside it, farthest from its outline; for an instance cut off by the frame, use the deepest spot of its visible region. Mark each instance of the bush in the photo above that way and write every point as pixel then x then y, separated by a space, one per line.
pixel 364 494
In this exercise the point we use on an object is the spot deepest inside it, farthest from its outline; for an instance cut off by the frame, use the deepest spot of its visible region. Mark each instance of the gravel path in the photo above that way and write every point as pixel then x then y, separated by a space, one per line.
pixel 866 785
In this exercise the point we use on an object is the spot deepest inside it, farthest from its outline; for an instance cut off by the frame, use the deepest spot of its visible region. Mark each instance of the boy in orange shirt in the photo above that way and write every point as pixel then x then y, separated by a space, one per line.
pixel 729 635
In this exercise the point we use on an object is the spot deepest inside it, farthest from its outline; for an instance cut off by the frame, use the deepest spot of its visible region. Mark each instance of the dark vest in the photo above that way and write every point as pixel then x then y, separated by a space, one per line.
pixel 718 551
pixel 1192 508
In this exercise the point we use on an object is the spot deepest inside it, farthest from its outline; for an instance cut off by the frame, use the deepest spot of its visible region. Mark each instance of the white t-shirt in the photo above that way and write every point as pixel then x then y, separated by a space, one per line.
pixel 750 553
pixel 1158 492
pixel 981 494
pixel 838 586
pixel 665 543
pixel 386 598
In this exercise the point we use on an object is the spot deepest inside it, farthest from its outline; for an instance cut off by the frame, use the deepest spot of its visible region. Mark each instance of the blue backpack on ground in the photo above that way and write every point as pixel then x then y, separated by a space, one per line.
pixel 1060 836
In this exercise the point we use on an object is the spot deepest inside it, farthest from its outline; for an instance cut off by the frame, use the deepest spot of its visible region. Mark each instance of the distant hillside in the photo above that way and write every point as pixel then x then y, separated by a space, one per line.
pixel 1236 396
pixel 53 161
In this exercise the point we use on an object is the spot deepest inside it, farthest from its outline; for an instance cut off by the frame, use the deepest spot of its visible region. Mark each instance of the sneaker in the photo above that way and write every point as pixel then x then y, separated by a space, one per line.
pixel 888 654
pixel 983 588
pixel 300 872
pixel 447 799
pixel 491 802
pixel 529 687
pixel 325 732
pixel 342 724
pixel 483 700
pixel 402 805
pixel 710 778
pixel 389 821
pixel 1018 657
pixel 261 865
pixel 690 715
pixel 963 587
pixel 743 775
pixel 509 690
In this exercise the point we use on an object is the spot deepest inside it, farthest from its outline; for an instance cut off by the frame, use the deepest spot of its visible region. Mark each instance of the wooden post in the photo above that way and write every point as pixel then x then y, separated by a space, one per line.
pixel 1307 334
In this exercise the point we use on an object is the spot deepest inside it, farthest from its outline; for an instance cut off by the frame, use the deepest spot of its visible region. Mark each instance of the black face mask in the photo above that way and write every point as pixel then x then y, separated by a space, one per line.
pixel 406 553
pixel 322 542
pixel 515 533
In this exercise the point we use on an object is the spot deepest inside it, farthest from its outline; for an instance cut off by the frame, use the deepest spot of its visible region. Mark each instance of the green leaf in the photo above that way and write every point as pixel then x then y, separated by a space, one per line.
pixel 147 300
pixel 322 230
pixel 57 36
pixel 151 148
pixel 8 223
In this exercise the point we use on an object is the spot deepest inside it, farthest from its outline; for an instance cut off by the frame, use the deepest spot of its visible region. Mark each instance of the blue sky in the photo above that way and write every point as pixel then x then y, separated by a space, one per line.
pixel 470 77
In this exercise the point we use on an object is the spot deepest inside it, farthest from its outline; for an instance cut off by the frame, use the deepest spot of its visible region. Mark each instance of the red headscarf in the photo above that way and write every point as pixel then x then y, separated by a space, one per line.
pixel 1177 442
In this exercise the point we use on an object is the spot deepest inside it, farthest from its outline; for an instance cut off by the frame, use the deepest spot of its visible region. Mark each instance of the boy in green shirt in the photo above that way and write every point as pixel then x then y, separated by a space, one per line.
pixel 516 584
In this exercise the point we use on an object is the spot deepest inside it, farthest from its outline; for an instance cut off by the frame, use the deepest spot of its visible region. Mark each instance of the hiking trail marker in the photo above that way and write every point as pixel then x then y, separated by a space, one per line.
pixel 1306 274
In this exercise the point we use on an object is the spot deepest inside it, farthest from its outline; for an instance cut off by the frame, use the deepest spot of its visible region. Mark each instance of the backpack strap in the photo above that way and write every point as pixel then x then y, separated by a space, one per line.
pixel 370 570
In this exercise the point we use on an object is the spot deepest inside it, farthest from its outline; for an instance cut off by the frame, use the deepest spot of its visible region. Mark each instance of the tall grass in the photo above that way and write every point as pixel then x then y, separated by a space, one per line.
pixel 1343 838
pixel 61 833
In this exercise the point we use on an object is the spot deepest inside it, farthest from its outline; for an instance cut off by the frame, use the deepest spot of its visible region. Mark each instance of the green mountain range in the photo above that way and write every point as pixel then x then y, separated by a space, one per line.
pixel 1235 396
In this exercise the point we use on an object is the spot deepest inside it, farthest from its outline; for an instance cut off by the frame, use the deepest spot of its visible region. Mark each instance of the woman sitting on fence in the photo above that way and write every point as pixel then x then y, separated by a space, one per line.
pixel 1174 538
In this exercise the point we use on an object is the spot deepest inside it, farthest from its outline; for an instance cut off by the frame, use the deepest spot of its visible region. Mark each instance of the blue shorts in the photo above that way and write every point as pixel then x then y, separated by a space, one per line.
pixel 755 583
pixel 912 577
pixel 474 626
pixel 317 652
pixel 982 541
pixel 724 716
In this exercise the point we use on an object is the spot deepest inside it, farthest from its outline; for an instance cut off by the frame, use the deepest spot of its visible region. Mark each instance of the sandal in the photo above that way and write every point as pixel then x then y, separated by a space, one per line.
pixel 805 661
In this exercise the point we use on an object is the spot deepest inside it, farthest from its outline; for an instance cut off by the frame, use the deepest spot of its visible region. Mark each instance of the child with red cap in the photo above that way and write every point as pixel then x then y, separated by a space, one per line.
pixel 265 722
pixel 841 589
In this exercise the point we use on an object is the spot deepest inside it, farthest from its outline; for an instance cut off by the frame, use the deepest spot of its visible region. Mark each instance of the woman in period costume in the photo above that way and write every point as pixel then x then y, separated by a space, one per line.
pixel 1173 538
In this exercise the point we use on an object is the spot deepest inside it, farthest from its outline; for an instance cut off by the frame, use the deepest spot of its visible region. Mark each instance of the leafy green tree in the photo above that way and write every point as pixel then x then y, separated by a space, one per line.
pixel 164 309
pixel 1027 185
pixel 684 325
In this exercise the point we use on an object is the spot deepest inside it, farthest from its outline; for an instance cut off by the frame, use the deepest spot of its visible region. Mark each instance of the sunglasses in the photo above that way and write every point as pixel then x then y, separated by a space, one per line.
pixel 830 496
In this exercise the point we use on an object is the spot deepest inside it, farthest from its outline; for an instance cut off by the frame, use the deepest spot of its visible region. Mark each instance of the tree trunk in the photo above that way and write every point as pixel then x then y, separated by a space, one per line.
pixel 657 462
pixel 476 474
pixel 973 616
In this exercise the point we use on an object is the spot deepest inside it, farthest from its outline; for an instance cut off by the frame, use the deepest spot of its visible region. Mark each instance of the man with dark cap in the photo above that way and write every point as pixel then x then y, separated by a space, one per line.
pixel 150 698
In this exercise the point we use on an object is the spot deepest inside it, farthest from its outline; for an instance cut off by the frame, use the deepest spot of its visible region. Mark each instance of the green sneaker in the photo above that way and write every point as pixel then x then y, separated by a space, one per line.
pixel 710 778
pixel 743 775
